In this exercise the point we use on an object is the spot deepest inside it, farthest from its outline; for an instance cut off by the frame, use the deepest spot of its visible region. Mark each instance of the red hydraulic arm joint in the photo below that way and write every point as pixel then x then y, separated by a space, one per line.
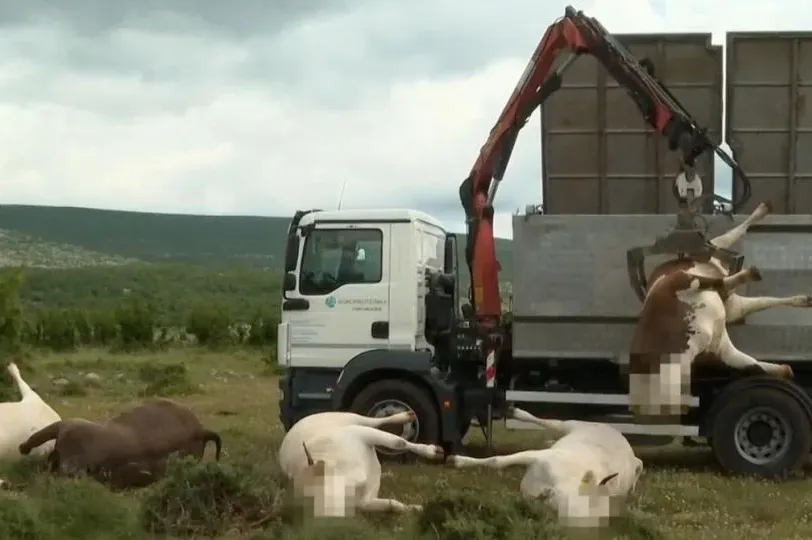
pixel 577 34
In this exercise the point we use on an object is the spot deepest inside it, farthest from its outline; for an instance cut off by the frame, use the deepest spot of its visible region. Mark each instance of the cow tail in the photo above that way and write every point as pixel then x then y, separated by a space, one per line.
pixel 41 437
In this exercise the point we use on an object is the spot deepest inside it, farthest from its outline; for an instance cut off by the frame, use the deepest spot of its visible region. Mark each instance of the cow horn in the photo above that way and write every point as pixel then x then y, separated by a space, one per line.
pixel 310 461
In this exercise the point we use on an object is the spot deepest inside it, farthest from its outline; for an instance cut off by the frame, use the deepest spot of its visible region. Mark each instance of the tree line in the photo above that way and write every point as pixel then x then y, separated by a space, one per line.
pixel 135 319
pixel 171 288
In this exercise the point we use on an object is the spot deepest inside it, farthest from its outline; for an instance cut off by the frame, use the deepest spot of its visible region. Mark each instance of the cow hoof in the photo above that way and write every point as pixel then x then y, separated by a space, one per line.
pixel 786 371
pixel 755 273
pixel 763 208
pixel 805 301
pixel 414 507
pixel 436 452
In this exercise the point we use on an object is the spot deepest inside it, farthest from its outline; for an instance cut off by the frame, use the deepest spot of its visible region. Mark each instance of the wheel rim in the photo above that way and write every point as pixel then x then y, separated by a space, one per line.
pixel 762 436
pixel 388 407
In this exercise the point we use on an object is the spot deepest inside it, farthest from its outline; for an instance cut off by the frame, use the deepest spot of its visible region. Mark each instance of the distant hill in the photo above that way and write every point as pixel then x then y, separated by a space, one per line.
pixel 176 238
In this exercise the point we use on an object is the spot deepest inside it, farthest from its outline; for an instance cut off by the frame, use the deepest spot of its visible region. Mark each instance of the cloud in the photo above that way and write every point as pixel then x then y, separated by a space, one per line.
pixel 182 106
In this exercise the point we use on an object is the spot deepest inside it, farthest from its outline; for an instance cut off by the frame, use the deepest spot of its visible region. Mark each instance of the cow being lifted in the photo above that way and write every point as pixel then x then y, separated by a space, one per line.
pixel 687 307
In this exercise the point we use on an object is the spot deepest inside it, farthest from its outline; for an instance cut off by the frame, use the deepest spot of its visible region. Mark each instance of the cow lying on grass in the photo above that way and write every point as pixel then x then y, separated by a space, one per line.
pixel 331 459
pixel 687 307
pixel 19 419
pixel 129 450
pixel 585 475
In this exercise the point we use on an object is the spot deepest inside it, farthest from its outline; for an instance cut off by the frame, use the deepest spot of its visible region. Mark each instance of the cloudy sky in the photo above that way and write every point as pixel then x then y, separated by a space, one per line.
pixel 264 106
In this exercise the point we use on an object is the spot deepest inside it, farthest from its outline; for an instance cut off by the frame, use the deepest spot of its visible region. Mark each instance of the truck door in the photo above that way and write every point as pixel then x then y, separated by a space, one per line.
pixel 340 307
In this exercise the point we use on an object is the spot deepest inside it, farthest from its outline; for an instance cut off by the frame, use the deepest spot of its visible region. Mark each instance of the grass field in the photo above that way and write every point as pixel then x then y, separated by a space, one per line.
pixel 681 494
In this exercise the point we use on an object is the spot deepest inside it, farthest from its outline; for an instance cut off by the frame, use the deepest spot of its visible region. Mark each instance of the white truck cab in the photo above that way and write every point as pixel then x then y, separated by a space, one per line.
pixel 356 281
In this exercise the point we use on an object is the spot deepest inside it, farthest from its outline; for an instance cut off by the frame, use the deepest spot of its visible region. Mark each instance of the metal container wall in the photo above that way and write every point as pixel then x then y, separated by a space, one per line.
pixel 572 296
pixel 769 126
pixel 598 154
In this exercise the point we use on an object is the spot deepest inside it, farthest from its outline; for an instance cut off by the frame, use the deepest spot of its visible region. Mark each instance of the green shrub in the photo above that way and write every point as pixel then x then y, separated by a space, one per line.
pixel 73 388
pixel 356 528
pixel 11 314
pixel 84 509
pixel 58 330
pixel 207 498
pixel 22 472
pixel 18 520
pixel 166 380
pixel 136 318
pixel 63 509
pixel 263 330
pixel 105 327
pixel 461 515
pixel 210 324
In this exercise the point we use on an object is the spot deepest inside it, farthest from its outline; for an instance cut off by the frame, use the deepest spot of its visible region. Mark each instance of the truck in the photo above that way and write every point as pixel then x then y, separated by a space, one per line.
pixel 375 319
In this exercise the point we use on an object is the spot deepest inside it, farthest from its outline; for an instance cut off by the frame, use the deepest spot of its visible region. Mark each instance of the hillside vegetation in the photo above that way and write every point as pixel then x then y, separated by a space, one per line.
pixel 17 249
pixel 201 240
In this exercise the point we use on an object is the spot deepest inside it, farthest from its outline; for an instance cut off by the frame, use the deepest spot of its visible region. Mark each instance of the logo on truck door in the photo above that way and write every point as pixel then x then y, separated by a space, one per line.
pixel 356 304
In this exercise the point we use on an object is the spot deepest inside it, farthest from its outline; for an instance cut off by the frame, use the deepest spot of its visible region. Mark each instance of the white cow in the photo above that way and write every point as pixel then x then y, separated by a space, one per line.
pixel 585 475
pixel 685 314
pixel 331 459
pixel 19 419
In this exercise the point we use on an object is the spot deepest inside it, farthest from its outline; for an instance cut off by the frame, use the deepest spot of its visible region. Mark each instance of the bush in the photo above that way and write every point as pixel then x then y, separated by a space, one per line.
pixel 465 515
pixel 57 330
pixel 59 509
pixel 105 327
pixel 211 325
pixel 335 529
pixel 166 380
pixel 136 319
pixel 208 498
pixel 11 314
pixel 84 509
pixel 18 520
pixel 263 330
pixel 460 515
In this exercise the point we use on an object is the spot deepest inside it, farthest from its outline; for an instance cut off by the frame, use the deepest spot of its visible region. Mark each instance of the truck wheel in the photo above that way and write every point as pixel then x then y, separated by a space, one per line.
pixel 761 431
pixel 390 396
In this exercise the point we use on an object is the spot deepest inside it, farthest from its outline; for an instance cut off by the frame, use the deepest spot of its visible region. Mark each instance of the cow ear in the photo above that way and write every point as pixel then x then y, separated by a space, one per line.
pixel 605 480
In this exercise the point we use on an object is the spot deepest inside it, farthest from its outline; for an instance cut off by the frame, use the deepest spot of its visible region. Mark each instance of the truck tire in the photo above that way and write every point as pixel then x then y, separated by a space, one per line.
pixel 761 431
pixel 389 396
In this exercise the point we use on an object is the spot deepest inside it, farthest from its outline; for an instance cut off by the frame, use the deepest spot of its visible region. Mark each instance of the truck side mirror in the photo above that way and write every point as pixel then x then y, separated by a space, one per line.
pixel 289 283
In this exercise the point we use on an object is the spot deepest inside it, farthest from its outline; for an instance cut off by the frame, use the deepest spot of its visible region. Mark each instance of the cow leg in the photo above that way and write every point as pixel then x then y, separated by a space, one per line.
pixel 742 277
pixel 525 458
pixel 377 437
pixel 738 307
pixel 736 233
pixel 400 418
pixel 733 357
pixel 386 505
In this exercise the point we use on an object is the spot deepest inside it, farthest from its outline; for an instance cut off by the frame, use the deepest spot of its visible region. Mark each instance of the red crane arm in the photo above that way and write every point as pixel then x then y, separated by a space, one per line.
pixel 580 35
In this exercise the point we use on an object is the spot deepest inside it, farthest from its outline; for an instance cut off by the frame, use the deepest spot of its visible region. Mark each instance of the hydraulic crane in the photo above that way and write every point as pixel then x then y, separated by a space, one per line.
pixel 578 34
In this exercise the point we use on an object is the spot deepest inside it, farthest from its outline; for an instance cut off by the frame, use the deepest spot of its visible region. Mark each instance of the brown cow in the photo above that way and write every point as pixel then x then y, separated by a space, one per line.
pixel 684 315
pixel 130 449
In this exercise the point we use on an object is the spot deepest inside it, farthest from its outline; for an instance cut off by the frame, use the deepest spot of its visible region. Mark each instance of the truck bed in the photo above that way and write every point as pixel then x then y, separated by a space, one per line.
pixel 572 298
